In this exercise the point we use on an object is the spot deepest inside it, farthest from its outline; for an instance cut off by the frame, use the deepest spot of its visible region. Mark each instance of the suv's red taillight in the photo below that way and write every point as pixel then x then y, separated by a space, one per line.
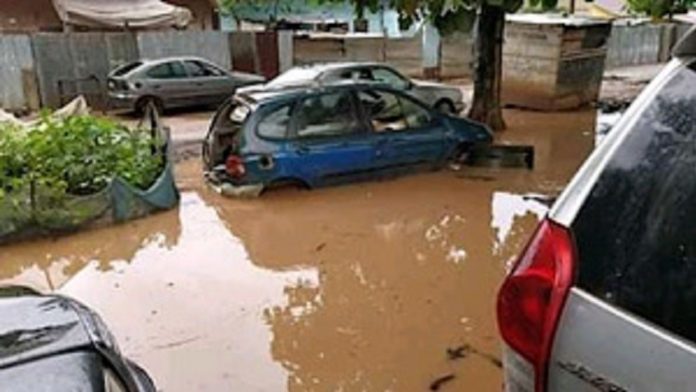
pixel 532 296
pixel 234 166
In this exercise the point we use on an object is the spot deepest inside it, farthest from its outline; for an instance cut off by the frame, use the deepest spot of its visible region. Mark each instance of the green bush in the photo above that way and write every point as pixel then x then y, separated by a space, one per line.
pixel 79 156
pixel 658 9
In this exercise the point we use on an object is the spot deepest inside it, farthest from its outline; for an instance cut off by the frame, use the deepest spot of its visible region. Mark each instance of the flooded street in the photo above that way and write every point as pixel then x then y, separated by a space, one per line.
pixel 366 287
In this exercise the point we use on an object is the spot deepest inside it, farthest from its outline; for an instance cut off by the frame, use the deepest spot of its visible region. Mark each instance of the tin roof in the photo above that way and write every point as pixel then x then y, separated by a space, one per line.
pixel 555 19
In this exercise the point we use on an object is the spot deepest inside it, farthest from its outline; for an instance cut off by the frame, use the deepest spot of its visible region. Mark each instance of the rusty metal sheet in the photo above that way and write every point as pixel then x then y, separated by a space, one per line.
pixel 267 48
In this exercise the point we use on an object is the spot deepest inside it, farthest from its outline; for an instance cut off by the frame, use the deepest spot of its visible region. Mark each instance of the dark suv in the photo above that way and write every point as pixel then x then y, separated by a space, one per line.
pixel 53 343
pixel 604 296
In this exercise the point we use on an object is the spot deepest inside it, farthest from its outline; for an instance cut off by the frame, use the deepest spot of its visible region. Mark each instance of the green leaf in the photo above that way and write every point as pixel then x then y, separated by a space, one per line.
pixel 459 21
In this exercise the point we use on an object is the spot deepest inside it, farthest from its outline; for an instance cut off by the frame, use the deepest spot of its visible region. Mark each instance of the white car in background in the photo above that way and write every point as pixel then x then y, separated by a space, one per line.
pixel 444 98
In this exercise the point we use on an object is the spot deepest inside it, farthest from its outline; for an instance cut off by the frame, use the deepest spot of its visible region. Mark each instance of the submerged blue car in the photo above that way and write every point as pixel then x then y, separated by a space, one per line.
pixel 315 136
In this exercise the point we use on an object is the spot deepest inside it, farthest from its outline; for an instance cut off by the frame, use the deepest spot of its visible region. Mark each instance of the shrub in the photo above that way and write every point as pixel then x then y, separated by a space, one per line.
pixel 78 155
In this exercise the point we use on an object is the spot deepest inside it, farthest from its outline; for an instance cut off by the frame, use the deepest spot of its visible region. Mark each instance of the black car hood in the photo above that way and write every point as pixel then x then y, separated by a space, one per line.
pixel 38 326
pixel 79 371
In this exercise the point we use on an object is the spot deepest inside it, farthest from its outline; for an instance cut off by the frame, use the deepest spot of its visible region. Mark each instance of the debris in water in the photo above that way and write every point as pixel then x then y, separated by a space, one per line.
pixel 541 199
pixel 439 382
pixel 503 156
pixel 458 352
pixel 320 247
pixel 463 351
pixel 476 177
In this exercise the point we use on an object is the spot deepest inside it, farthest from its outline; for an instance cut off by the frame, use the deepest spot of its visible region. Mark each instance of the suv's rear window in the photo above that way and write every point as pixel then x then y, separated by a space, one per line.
pixel 636 233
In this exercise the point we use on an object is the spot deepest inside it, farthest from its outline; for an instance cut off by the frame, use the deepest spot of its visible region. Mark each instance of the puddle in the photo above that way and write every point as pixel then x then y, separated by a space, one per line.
pixel 362 287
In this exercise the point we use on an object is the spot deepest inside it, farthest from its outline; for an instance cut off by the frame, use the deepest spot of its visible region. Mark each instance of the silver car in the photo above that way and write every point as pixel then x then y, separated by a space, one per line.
pixel 444 98
pixel 174 82
pixel 604 296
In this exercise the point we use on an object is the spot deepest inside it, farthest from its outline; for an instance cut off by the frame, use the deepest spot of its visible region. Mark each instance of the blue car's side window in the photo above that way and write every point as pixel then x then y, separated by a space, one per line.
pixel 389 112
pixel 274 125
pixel 331 114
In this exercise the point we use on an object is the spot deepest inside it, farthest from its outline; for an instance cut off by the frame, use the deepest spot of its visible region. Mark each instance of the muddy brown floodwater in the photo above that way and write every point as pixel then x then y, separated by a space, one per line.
pixel 385 286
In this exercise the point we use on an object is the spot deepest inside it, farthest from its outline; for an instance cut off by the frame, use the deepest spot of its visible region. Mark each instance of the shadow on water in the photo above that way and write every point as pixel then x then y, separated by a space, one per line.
pixel 369 286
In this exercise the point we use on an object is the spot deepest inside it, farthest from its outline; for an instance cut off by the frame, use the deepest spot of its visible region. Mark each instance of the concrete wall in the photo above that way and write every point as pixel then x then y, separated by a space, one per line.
pixel 457 56
pixel 553 66
pixel 403 53
pixel 17 73
pixel 530 61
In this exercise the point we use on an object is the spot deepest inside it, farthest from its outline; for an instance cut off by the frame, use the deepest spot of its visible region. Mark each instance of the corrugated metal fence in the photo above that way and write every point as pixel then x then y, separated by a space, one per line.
pixel 16 71
pixel 642 44
pixel 71 64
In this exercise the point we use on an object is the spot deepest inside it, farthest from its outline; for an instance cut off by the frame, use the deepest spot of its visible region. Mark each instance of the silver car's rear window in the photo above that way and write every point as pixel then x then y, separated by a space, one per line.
pixel 123 70
pixel 636 232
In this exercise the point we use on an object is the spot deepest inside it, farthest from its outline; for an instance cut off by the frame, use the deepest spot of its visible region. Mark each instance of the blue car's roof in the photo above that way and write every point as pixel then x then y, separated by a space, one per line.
pixel 263 94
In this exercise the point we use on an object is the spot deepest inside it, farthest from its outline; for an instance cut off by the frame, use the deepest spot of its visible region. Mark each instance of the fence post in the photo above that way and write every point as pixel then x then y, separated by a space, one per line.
pixel 285 50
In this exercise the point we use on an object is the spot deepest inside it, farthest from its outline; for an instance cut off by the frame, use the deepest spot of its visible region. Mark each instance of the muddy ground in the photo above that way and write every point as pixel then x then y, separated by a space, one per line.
pixel 366 287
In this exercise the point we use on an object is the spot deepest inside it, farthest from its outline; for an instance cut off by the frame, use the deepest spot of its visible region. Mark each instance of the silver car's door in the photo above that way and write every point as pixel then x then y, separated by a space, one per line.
pixel 169 82
pixel 210 85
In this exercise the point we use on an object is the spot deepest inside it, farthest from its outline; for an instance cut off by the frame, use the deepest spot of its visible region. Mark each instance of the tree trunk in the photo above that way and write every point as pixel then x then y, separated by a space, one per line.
pixel 488 74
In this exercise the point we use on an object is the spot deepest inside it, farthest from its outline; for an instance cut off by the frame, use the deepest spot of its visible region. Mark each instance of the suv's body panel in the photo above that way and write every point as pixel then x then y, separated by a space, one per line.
pixel 601 348
pixel 629 321
pixel 50 337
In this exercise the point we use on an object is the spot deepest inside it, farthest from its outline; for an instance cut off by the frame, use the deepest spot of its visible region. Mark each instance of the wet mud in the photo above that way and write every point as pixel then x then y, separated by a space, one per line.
pixel 372 286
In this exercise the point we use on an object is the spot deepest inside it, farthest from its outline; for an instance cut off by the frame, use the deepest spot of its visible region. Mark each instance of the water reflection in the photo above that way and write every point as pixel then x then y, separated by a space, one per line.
pixel 191 313
pixel 47 265
pixel 509 207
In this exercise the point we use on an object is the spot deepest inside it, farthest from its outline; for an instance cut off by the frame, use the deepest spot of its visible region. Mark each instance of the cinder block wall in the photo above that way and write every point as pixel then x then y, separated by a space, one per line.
pixel 553 66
